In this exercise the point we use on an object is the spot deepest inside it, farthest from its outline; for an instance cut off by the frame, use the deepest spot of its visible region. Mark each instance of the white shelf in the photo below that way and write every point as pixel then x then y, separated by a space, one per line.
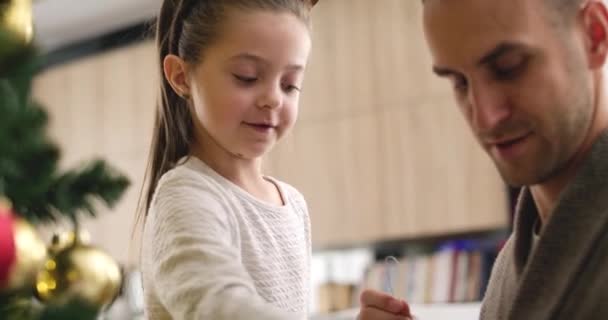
pixel 456 311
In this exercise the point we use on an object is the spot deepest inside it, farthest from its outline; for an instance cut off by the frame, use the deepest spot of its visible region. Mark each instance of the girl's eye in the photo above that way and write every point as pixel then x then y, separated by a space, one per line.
pixel 245 79
pixel 290 88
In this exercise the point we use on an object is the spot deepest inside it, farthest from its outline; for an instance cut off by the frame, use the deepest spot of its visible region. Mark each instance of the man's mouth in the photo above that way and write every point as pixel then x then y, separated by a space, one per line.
pixel 510 147
pixel 506 143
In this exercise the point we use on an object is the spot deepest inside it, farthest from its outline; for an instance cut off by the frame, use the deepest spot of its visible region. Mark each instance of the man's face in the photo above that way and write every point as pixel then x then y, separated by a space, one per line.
pixel 521 81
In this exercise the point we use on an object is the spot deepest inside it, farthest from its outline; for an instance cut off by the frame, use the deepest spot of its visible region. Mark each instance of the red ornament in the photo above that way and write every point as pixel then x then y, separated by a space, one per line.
pixel 8 254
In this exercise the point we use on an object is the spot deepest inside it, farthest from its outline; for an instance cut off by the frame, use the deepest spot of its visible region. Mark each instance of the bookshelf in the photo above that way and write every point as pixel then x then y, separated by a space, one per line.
pixel 449 270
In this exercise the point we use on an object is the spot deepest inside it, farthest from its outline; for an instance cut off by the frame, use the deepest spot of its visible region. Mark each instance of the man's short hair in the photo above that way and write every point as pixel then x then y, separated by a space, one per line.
pixel 566 9
pixel 560 11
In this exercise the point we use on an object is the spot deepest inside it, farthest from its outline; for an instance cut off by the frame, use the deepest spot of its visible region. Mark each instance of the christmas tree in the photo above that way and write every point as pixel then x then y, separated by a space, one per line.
pixel 70 279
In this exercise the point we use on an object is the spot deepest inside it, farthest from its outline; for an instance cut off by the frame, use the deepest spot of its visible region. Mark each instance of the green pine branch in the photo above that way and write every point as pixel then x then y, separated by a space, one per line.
pixel 30 179
pixel 29 174
pixel 22 307
pixel 79 190
pixel 19 307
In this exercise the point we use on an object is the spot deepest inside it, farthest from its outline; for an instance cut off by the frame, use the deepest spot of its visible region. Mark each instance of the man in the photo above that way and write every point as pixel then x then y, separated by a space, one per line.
pixel 527 75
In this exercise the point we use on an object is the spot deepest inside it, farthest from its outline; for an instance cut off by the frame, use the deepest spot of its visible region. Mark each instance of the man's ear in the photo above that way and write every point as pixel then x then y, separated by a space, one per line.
pixel 595 24
pixel 175 70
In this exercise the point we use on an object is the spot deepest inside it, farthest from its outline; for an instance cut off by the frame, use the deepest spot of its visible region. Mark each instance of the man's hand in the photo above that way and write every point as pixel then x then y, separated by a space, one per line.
pixel 381 306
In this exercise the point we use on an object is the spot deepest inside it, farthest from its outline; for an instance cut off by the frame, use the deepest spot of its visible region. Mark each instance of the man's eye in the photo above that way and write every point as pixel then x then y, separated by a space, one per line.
pixel 511 68
pixel 460 83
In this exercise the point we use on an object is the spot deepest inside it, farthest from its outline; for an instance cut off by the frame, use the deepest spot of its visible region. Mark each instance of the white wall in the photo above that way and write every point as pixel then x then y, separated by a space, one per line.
pixel 61 22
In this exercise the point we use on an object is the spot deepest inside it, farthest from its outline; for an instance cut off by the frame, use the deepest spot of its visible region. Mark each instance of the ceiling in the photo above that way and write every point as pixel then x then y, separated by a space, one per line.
pixel 62 22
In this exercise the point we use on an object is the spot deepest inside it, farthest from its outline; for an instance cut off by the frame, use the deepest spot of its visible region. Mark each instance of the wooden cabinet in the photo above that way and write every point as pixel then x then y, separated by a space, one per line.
pixel 103 106
pixel 380 150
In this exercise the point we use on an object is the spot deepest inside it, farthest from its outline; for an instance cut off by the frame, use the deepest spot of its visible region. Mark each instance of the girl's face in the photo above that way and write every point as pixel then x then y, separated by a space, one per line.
pixel 246 90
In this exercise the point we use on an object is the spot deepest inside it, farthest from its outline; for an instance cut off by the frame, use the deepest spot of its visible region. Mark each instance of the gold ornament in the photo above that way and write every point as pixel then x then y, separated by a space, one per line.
pixel 16 17
pixel 60 241
pixel 30 253
pixel 78 272
pixel 16 26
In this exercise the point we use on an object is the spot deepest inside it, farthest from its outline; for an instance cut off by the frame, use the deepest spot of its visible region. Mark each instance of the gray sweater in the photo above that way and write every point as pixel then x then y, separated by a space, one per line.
pixel 566 277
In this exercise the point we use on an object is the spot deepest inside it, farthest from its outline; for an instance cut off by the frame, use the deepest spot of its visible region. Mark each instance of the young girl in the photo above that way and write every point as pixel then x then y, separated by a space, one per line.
pixel 221 240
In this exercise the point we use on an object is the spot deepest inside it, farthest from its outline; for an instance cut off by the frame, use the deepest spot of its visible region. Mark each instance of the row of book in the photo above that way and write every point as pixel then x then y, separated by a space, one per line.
pixel 453 272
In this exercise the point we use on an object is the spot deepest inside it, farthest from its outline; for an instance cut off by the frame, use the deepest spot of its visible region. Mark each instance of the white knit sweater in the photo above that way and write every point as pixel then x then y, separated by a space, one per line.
pixel 212 251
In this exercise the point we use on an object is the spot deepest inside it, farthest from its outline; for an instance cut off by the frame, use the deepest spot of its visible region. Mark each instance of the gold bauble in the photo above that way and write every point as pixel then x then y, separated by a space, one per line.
pixel 16 17
pixel 63 240
pixel 30 253
pixel 16 26
pixel 79 272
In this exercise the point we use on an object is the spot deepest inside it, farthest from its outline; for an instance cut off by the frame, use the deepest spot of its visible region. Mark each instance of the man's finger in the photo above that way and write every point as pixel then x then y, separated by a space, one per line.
pixel 383 301
pixel 370 313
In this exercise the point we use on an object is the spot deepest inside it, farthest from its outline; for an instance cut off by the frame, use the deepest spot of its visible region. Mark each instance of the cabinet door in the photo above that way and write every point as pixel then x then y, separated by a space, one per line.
pixel 380 150
pixel 103 106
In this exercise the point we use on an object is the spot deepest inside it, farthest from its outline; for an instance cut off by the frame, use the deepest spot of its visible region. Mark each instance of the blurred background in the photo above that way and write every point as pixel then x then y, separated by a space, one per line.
pixel 381 152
